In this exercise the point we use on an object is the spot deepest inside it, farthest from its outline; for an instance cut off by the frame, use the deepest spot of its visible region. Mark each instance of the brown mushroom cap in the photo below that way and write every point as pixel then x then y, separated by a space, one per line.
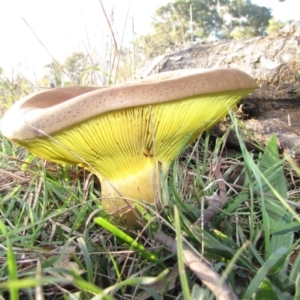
pixel 53 110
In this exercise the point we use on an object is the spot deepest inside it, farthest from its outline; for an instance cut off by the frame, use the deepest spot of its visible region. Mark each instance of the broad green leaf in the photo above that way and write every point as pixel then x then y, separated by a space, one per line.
pixel 272 264
pixel 266 291
pixel 272 169
pixel 275 215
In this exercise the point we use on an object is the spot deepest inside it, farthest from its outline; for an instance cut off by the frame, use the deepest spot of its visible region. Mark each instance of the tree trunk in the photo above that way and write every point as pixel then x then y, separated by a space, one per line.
pixel 274 62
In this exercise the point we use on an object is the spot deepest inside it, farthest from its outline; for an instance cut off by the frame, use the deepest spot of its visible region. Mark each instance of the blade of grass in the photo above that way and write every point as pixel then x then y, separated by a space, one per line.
pixel 126 238
pixel 271 264
pixel 87 259
pixel 92 288
pixel 180 257
pixel 12 265
pixel 136 281
pixel 32 282
pixel 297 284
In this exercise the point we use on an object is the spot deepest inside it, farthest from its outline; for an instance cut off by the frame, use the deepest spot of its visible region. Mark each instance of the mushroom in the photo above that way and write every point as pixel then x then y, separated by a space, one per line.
pixel 127 134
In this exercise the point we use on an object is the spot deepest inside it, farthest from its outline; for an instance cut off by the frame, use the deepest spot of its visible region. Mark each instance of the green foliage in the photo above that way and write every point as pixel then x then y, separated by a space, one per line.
pixel 249 19
pixel 182 21
pixel 12 89
pixel 274 26
pixel 71 71
pixel 87 69
pixel 55 75
pixel 75 66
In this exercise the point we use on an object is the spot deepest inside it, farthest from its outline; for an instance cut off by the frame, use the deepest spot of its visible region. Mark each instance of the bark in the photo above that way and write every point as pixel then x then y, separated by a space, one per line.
pixel 274 62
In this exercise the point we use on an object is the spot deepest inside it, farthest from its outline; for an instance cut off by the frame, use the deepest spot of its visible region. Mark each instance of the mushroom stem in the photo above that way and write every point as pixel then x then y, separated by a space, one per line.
pixel 119 195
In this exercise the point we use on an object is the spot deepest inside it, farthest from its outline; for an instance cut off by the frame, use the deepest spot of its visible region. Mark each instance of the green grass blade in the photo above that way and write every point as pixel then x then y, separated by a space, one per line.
pixel 181 266
pixel 271 265
pixel 29 282
pixel 136 281
pixel 12 265
pixel 87 259
pixel 297 284
pixel 126 238
pixel 93 289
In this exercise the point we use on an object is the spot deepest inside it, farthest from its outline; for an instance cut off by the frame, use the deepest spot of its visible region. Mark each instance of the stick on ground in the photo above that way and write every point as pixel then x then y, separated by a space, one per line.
pixel 200 267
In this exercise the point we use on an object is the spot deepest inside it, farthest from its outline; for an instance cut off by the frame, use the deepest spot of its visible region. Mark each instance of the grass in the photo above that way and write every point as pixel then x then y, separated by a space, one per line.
pixel 56 243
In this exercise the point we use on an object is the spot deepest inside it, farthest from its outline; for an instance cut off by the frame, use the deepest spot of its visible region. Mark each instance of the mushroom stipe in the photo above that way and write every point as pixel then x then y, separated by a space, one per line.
pixel 127 143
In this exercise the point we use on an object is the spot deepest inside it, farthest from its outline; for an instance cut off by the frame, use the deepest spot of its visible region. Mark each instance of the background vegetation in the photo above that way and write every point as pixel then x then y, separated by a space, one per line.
pixel 56 242
pixel 188 21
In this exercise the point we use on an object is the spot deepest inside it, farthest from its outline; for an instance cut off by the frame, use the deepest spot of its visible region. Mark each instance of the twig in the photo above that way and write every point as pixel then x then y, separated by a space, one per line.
pixel 39 295
pixel 52 57
pixel 200 267
pixel 109 25
pixel 12 175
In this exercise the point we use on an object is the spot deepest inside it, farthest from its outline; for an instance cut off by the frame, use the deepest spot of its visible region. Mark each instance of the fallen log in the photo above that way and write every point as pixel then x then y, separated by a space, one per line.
pixel 273 61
